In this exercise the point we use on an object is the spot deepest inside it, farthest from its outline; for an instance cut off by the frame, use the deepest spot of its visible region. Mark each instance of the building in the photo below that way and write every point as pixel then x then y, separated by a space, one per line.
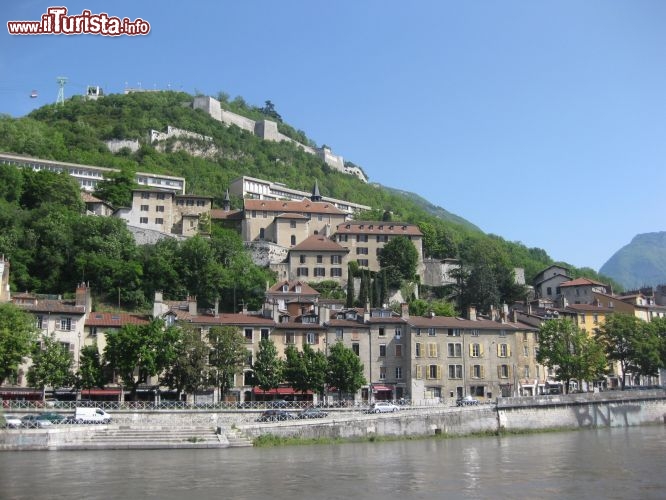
pixel 547 282
pixel 95 206
pixel 318 258
pixel 582 290
pixel 89 176
pixel 5 292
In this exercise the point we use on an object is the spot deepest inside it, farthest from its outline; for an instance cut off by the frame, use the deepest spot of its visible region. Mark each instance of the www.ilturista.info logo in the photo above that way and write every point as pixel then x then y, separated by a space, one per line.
pixel 57 22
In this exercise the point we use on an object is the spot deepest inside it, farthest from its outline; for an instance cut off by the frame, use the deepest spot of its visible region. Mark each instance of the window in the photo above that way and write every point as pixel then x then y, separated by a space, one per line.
pixel 477 390
pixel 336 272
pixel 549 291
pixel 432 350
pixel 293 240
pixel 398 372
pixel 382 331
pixel 382 238
pixel 40 323
pixel 382 350
pixel 362 238
pixel 264 214
pixel 301 271
pixel 434 371
pixel 582 318
pixel 477 371
pixel 455 350
pixel 248 378
pixel 339 333
pixel 475 350
pixel 362 262
pixel 417 350
pixel 312 338
pixel 431 332
pixel 398 350
pixel 144 208
pixel 398 332
pixel 248 335
pixel 526 371
pixel 336 259
pixel 143 220
pixel 262 233
pixel 455 371
pixel 159 208
pixel 264 334
pixel 159 221
pixel 289 338
pixel 160 196
pixel 526 351
pixel 503 371
pixel 145 196
pixel 356 348
pixel 474 332
pixel 502 333
pixel 66 324
pixel 454 332
pixel 319 271
pixel 292 224
pixel 418 332
pixel 248 360
pixel 343 237
pixel 382 373
pixel 301 259
pixel 361 251
pixel 503 351
pixel 320 259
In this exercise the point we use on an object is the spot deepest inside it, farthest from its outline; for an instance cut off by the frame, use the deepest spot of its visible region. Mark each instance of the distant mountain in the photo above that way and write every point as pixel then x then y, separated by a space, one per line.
pixel 435 210
pixel 641 262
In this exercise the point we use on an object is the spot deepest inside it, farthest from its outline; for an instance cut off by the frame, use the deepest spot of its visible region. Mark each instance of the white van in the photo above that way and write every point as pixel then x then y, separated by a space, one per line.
pixel 91 416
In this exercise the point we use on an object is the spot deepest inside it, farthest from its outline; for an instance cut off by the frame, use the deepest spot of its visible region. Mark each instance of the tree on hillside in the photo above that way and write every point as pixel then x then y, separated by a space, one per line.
pixel 17 337
pixel 345 370
pixel 267 369
pixel 51 364
pixel 137 352
pixel 571 352
pixel 269 111
pixel 49 188
pixel 398 260
pixel 228 355
pixel 117 188
pixel 632 343
pixel 188 370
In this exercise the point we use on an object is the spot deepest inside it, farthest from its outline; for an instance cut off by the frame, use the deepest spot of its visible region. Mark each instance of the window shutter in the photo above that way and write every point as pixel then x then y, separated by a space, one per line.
pixel 499 371
pixel 508 371
pixel 480 350
pixel 483 371
pixel 499 350
pixel 471 371
pixel 471 350
pixel 419 371
pixel 508 350
pixel 439 372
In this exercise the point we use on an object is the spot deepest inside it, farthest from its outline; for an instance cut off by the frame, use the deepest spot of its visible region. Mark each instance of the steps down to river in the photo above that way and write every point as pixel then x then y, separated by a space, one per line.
pixel 158 437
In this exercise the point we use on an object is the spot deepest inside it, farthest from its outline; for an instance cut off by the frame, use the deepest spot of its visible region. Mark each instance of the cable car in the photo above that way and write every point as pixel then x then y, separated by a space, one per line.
pixel 33 94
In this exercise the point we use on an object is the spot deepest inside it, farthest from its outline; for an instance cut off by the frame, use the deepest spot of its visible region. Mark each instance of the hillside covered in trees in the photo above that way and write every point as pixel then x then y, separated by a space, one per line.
pixel 77 131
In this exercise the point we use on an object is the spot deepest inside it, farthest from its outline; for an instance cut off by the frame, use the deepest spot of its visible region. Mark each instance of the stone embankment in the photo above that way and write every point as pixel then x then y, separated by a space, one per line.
pixel 223 429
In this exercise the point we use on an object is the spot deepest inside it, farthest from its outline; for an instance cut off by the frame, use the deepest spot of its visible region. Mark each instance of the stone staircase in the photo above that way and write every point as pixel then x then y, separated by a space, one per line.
pixel 159 437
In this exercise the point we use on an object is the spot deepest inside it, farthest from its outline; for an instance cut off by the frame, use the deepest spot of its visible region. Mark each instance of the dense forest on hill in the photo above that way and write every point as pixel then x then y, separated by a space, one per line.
pixel 76 133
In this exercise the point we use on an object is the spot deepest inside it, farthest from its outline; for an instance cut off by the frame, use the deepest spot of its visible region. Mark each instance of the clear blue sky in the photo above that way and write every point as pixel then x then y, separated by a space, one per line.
pixel 541 121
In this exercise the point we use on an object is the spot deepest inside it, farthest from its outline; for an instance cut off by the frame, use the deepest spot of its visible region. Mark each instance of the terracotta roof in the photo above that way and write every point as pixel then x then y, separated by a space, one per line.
pixel 589 308
pixel 52 306
pixel 581 282
pixel 291 216
pixel 220 213
pixel 319 243
pixel 305 205
pixel 89 198
pixel 298 326
pixel 449 322
pixel 291 288
pixel 378 227
pixel 347 323
pixel 116 319
pixel 231 320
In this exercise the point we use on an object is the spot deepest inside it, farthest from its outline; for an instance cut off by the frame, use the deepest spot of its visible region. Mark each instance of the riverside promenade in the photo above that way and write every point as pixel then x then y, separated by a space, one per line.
pixel 173 429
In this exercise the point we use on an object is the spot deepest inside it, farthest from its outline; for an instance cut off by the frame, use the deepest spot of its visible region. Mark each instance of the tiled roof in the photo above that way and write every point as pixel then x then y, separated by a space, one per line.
pixel 291 216
pixel 50 306
pixel 298 326
pixel 589 308
pixel 449 322
pixel 305 205
pixel 221 214
pixel 232 320
pixel 581 282
pixel 378 227
pixel 89 198
pixel 291 288
pixel 116 319
pixel 319 243
pixel 347 323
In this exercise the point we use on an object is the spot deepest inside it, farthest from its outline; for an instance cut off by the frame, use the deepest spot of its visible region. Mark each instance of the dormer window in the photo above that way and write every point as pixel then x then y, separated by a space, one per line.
pixel 285 288
pixel 298 289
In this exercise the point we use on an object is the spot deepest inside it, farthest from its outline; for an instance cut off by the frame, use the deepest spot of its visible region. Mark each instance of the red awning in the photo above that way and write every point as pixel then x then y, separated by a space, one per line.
pixel 100 392
pixel 381 388
pixel 280 391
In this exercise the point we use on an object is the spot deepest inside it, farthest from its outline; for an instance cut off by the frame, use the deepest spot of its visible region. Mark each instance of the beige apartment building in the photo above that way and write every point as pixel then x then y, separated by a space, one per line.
pixel 318 258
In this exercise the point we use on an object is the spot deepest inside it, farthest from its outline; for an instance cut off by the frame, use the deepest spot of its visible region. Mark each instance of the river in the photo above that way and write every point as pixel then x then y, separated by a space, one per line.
pixel 625 463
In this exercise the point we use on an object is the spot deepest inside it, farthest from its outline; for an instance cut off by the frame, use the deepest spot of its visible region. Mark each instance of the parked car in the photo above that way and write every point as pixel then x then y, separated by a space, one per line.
pixel 313 413
pixel 91 416
pixel 383 407
pixel 35 422
pixel 275 416
pixel 11 422
pixel 467 401
pixel 55 418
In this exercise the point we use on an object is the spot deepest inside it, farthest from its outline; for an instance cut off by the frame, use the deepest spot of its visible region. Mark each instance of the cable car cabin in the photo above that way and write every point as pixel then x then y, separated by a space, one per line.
pixel 33 94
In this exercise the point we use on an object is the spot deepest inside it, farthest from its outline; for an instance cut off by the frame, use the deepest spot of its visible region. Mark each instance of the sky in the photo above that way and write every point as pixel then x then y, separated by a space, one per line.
pixel 541 122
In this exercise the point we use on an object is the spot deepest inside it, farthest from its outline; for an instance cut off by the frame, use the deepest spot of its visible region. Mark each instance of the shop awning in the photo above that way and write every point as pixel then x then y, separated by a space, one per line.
pixel 280 391
pixel 100 392
pixel 381 388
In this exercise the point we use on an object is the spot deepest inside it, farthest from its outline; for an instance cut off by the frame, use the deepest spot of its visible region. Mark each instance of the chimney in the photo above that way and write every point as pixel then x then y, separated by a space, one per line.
pixel 159 307
pixel 192 305
pixel 83 297
pixel 493 313
pixel 366 312
pixel 226 202
pixel 244 308
pixel 471 313
pixel 404 310
pixel 217 307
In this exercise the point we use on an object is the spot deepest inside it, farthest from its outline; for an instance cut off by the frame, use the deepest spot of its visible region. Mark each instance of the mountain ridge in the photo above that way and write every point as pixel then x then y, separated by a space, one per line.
pixel 642 262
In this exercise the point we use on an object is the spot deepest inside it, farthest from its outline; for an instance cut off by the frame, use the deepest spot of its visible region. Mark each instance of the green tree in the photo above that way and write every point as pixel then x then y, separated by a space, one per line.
pixel 305 370
pixel 228 355
pixel 117 188
pixel 51 364
pixel 137 352
pixel 345 370
pixel 570 351
pixel 18 334
pixel 399 259
pixel 631 343
pixel 267 368
pixel 349 299
pixel 90 373
pixel 188 371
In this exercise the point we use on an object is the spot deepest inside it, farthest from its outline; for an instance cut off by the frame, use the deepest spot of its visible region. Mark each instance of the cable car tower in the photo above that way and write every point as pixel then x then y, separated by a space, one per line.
pixel 61 81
